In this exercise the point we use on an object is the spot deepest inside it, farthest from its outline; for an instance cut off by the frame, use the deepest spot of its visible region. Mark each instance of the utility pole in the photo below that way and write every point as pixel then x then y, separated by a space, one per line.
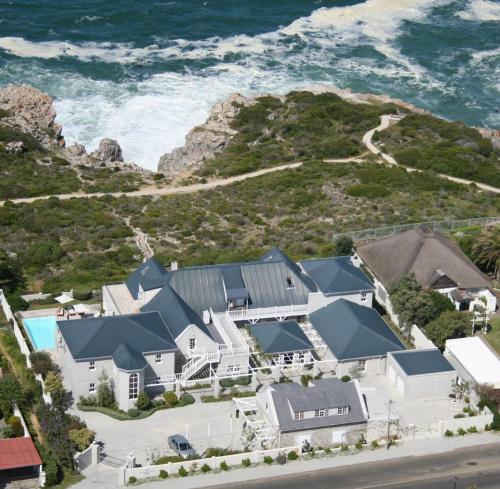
pixel 389 425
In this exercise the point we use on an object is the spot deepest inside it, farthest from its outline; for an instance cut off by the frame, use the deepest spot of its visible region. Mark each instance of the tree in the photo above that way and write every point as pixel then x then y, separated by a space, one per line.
pixel 486 252
pixel 53 382
pixel 343 246
pixel 41 363
pixel 450 324
pixel 105 394
pixel 11 275
pixel 15 424
pixel 10 393
pixel 440 303
pixel 143 401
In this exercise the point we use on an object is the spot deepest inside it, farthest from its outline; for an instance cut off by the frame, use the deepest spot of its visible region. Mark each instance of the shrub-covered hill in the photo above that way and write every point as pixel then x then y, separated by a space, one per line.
pixel 430 143
pixel 300 126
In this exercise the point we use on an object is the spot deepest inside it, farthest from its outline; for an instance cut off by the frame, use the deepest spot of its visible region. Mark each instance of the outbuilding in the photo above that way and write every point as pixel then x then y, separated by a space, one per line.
pixel 421 374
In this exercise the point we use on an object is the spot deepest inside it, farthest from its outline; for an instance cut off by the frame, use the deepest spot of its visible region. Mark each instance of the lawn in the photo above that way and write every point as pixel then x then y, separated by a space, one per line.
pixel 493 337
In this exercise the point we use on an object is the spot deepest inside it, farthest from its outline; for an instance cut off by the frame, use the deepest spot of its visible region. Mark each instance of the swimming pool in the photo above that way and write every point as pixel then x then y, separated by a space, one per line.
pixel 42 332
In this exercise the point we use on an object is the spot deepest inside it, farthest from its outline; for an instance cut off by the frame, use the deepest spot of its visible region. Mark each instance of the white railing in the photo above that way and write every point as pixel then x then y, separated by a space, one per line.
pixel 196 352
pixel 267 312
pixel 196 364
pixel 231 351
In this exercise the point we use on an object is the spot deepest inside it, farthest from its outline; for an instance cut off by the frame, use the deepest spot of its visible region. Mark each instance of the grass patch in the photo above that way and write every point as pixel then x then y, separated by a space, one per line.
pixel 119 415
pixel 493 336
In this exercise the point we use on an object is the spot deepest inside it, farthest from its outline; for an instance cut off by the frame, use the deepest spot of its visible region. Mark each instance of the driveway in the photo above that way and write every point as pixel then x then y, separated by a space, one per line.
pixel 205 425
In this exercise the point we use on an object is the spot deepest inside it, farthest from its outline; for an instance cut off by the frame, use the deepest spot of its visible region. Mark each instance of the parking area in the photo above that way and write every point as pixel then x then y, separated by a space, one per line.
pixel 205 425
pixel 379 390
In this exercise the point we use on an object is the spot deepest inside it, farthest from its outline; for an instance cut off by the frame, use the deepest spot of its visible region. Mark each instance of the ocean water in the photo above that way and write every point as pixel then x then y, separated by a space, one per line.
pixel 145 72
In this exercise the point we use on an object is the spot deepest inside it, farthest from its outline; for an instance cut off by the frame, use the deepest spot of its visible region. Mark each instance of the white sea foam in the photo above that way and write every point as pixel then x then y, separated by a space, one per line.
pixel 481 11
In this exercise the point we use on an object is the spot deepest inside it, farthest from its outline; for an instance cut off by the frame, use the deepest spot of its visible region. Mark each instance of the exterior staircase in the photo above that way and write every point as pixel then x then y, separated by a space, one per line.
pixel 195 364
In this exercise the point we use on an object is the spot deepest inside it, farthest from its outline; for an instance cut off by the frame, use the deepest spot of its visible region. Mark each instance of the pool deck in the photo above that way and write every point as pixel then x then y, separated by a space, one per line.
pixel 38 313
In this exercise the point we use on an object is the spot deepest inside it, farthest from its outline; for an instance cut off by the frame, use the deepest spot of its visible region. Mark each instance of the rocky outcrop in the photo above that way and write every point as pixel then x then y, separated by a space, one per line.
pixel 205 141
pixel 14 147
pixel 109 150
pixel 31 111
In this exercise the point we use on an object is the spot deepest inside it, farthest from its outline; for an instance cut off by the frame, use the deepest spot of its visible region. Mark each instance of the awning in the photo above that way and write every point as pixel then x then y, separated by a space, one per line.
pixel 82 309
pixel 64 299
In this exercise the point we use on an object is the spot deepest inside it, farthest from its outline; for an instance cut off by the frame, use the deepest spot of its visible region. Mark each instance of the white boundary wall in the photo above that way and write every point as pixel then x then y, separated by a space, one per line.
pixel 214 463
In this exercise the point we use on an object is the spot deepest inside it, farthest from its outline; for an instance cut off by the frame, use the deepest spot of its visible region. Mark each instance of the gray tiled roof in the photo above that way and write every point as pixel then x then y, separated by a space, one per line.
pixel 336 275
pixel 99 337
pixel 352 331
pixel 175 312
pixel 422 252
pixel 280 337
pixel 421 362
pixel 150 275
pixel 128 358
pixel 320 394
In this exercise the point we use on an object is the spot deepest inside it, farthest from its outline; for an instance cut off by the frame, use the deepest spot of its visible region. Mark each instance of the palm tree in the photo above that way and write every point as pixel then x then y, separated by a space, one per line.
pixel 486 252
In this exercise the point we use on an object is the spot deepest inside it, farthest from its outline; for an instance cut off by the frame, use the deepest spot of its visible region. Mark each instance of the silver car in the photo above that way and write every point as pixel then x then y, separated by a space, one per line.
pixel 181 446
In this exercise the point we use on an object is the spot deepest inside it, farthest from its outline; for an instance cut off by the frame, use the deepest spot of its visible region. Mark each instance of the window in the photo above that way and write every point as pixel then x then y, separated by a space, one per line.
pixel 92 365
pixel 133 386
pixel 289 283
pixel 92 387
pixel 320 413
pixel 361 368
pixel 233 369
pixel 364 296
pixel 299 415
pixel 343 410
pixel 158 380
pixel 192 343
pixel 158 358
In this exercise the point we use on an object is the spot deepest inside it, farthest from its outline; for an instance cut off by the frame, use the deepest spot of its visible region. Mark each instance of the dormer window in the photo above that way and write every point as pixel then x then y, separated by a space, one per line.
pixel 343 410
pixel 289 283
pixel 299 415
pixel 320 413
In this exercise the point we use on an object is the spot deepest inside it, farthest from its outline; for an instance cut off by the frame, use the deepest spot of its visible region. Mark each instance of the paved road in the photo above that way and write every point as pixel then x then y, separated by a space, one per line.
pixel 478 465
pixel 384 124
pixel 154 191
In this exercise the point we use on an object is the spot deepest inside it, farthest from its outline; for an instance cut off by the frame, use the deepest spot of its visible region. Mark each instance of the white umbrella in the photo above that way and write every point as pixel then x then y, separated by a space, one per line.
pixel 64 299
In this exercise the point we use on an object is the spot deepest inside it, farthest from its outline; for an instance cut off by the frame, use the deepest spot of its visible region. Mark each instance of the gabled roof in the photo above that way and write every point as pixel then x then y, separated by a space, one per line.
pixel 149 275
pixel 128 358
pixel 320 394
pixel 424 253
pixel 175 312
pixel 336 275
pixel 422 362
pixel 280 337
pixel 275 255
pixel 18 452
pixel 99 337
pixel 352 331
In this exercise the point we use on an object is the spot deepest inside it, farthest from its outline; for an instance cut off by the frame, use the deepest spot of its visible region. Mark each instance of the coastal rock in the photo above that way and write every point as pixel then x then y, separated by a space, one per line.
pixel 76 150
pixel 14 147
pixel 108 150
pixel 205 141
pixel 30 111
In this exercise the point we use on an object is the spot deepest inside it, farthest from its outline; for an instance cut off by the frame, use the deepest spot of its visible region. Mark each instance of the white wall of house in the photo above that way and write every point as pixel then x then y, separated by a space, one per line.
pixel 317 301
pixel 201 340
pixel 429 386
pixel 372 366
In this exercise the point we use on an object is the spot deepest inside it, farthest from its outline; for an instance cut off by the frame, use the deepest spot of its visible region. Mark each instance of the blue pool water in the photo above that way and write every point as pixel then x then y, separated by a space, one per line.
pixel 42 332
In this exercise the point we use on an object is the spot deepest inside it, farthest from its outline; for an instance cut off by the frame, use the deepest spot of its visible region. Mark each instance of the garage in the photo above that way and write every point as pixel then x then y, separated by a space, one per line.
pixel 420 374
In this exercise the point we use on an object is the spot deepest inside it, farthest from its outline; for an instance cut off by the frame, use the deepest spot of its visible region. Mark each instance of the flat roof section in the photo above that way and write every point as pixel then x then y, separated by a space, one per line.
pixel 422 362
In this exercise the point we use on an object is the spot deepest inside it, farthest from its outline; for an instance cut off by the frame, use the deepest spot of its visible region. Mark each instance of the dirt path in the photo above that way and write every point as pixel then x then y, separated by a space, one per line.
pixel 154 191
pixel 141 240
pixel 385 121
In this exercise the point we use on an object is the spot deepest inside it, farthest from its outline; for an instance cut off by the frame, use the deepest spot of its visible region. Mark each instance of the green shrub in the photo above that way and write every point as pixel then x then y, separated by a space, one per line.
pixel 133 412
pixel 472 429
pixel 344 447
pixel 41 363
pixel 243 381
pixel 305 379
pixel 143 401
pixel 90 400
pixel 227 383
pixel 268 460
pixel 280 459
pixel 345 378
pixel 167 459
pixel 448 433
pixel 293 455
pixel 81 438
pixel 132 479
pixel 182 472
pixel 461 432
pixel 375 444
pixel 171 398
pixel 82 294
pixel 328 450
pixel 16 426
pixel 223 466
pixel 53 382
pixel 53 472
pixel 359 445
pixel 459 415
pixel 163 474
pixel 186 399
pixel 206 468
pixel 368 191
pixel 246 462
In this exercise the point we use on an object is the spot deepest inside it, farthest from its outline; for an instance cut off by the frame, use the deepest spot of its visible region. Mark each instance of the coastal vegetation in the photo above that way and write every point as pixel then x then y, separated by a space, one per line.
pixel 429 143
pixel 300 126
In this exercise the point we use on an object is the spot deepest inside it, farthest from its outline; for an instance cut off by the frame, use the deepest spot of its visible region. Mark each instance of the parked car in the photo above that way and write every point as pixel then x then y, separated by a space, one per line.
pixel 181 446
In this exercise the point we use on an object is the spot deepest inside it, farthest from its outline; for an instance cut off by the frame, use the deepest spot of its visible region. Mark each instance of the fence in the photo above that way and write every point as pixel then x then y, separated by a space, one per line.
pixel 445 225
pixel 213 462
pixel 419 339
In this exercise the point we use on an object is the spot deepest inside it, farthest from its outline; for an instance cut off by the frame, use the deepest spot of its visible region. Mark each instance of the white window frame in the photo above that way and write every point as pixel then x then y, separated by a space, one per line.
pixel 299 415
pixel 320 413
pixel 364 296
pixel 192 341
pixel 92 365
pixel 158 358
pixel 343 410
pixel 157 380
pixel 133 386
pixel 92 388
pixel 361 367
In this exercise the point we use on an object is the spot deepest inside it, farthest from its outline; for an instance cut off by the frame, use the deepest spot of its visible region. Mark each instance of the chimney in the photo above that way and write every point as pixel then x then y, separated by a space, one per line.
pixel 206 316
pixel 174 266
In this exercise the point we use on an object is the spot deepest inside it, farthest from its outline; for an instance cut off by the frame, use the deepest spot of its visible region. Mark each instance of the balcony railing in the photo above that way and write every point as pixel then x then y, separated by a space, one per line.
pixel 267 312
